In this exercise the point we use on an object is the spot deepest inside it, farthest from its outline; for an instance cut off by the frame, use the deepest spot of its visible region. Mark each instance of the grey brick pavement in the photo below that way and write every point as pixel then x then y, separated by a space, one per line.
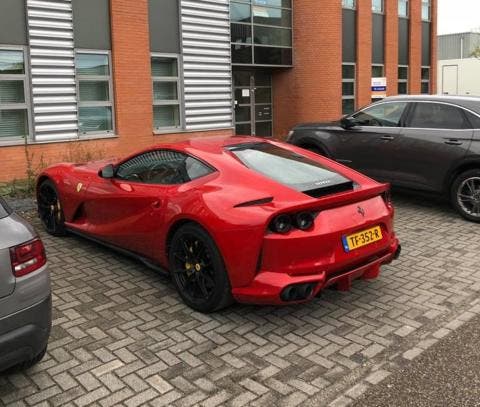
pixel 122 336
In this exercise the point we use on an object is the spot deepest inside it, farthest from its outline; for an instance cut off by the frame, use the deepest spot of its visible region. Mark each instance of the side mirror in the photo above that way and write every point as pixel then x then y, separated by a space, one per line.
pixel 348 122
pixel 107 172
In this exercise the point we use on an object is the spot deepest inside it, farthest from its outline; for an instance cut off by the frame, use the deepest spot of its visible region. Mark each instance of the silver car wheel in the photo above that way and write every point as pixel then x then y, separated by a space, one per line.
pixel 468 196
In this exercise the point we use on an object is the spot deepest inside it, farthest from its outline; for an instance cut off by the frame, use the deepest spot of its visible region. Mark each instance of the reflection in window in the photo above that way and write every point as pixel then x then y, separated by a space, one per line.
pixel 94 87
pixel 438 116
pixel 348 88
pixel 166 100
pixel 382 114
pixel 13 107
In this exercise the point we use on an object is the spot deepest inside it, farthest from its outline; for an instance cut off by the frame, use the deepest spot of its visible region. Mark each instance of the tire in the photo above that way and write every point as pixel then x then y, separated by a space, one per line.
pixel 50 210
pixel 27 364
pixel 198 270
pixel 465 195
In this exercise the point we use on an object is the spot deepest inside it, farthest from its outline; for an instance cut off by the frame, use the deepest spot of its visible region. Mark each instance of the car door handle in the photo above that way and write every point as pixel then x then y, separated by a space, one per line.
pixel 453 142
pixel 387 138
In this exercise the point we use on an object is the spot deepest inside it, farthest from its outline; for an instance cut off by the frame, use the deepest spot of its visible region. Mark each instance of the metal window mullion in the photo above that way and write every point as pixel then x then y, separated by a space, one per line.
pixel 93 103
pixel 165 78
pixel 166 102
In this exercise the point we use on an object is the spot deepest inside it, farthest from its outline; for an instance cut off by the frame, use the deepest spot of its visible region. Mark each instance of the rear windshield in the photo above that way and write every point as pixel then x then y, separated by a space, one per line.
pixel 4 209
pixel 287 167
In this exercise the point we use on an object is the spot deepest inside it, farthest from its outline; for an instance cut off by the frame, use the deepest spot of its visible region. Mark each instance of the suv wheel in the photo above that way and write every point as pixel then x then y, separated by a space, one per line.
pixel 465 195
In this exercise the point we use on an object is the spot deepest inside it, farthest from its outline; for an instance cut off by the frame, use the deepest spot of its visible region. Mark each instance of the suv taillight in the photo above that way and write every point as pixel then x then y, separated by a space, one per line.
pixel 27 257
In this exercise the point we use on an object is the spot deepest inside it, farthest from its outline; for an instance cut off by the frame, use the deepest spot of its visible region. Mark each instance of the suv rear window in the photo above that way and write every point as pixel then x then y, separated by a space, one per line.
pixel 287 168
pixel 4 209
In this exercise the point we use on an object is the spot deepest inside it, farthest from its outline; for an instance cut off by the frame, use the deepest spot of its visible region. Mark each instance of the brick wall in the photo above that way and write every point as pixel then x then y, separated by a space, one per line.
pixel 391 46
pixel 434 49
pixel 364 53
pixel 415 51
pixel 132 97
pixel 312 89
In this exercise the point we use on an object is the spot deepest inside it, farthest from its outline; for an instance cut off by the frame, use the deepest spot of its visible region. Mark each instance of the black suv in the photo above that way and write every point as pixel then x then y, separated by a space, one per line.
pixel 429 143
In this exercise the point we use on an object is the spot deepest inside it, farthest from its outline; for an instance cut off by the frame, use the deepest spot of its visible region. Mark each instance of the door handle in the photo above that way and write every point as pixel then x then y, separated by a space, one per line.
pixel 453 142
pixel 387 138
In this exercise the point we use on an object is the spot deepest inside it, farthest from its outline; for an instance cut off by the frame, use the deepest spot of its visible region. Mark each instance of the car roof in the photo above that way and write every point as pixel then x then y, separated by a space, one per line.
pixel 468 102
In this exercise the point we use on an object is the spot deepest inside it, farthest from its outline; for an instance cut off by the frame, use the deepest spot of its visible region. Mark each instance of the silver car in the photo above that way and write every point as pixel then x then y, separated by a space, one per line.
pixel 25 297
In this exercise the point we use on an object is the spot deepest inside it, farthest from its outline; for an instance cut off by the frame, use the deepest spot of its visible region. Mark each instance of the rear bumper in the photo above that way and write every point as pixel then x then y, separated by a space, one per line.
pixel 25 334
pixel 267 287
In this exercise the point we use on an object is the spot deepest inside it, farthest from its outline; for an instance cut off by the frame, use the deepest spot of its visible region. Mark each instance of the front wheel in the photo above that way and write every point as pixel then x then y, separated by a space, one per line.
pixel 198 271
pixel 465 195
pixel 50 209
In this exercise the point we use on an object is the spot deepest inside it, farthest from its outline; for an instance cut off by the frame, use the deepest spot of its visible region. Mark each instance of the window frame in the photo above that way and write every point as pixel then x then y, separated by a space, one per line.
pixel 407 8
pixel 178 102
pixel 428 4
pixel 382 10
pixel 353 5
pixel 461 108
pixel 27 104
pixel 399 80
pixel 100 78
pixel 170 150
pixel 402 120
pixel 350 80
pixel 427 81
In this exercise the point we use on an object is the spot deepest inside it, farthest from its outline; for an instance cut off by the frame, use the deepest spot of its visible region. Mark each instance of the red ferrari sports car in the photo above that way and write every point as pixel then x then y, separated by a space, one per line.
pixel 232 218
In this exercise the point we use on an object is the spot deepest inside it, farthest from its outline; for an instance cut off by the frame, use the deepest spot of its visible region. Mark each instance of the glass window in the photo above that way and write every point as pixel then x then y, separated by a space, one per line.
pixel 348 4
pixel 272 36
pixel 438 116
pixel 381 114
pixel 272 16
pixel 13 86
pixel 348 88
pixel 95 113
pixel 273 56
pixel 274 3
pixel 240 12
pixel 403 8
pixel 425 80
pixel 286 167
pixel 426 10
pixel 402 80
pixel 377 71
pixel 162 167
pixel 377 6
pixel 166 92
pixel 473 119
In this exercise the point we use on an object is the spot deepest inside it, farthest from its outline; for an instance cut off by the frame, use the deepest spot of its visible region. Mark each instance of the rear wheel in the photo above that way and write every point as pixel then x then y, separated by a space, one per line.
pixel 50 209
pixel 465 195
pixel 198 271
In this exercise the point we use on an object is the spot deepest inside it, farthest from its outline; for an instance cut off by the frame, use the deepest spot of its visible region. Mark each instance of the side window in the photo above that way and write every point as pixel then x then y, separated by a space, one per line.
pixel 473 119
pixel 162 167
pixel 437 116
pixel 382 114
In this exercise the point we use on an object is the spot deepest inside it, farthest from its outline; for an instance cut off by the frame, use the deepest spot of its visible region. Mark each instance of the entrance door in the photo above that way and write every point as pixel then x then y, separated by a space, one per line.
pixel 253 103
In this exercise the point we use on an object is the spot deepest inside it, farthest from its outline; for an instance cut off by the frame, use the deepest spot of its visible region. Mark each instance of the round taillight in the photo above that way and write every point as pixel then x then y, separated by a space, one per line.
pixel 281 224
pixel 304 220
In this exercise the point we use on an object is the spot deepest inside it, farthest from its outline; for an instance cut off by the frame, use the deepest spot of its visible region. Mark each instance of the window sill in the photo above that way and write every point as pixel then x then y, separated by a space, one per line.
pixel 86 137
pixel 184 131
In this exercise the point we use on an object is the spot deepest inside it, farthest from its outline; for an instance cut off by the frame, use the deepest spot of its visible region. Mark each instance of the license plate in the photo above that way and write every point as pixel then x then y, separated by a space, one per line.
pixel 363 238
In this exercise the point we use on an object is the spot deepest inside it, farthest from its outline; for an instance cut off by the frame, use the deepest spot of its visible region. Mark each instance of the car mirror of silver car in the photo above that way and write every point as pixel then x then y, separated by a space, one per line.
pixel 107 172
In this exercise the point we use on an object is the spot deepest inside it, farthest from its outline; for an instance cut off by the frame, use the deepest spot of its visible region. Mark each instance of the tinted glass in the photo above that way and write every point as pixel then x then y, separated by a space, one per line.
pixel 425 88
pixel 241 54
pixel 348 88
pixel 402 88
pixel 377 71
pixel 383 114
pixel 240 98
pixel 263 95
pixel 95 119
pixel 437 116
pixel 11 92
pixel 162 167
pixel 263 129
pixel 92 64
pixel 240 12
pixel 272 36
pixel 242 114
pixel 425 73
pixel 4 209
pixel 243 129
pixel 165 91
pixel 166 116
pixel 284 166
pixel 164 67
pixel 241 33
pixel 402 72
pixel 274 3
pixel 11 62
pixel 272 16
pixel 13 123
pixel 348 71
pixel 473 119
pixel 94 91
pixel 348 106
pixel 273 56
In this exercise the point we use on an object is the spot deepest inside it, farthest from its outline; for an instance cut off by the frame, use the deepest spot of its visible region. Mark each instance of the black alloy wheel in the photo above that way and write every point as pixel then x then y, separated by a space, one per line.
pixel 198 271
pixel 465 195
pixel 50 209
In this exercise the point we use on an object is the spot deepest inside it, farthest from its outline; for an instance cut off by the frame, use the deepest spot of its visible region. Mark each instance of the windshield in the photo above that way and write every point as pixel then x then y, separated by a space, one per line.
pixel 287 167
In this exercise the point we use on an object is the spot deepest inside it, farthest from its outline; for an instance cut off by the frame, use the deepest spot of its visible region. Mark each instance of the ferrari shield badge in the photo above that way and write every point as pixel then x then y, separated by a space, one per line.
pixel 79 186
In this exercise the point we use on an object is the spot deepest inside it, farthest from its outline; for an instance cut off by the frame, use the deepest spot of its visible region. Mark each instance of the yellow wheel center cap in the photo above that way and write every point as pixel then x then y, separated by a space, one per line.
pixel 198 267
